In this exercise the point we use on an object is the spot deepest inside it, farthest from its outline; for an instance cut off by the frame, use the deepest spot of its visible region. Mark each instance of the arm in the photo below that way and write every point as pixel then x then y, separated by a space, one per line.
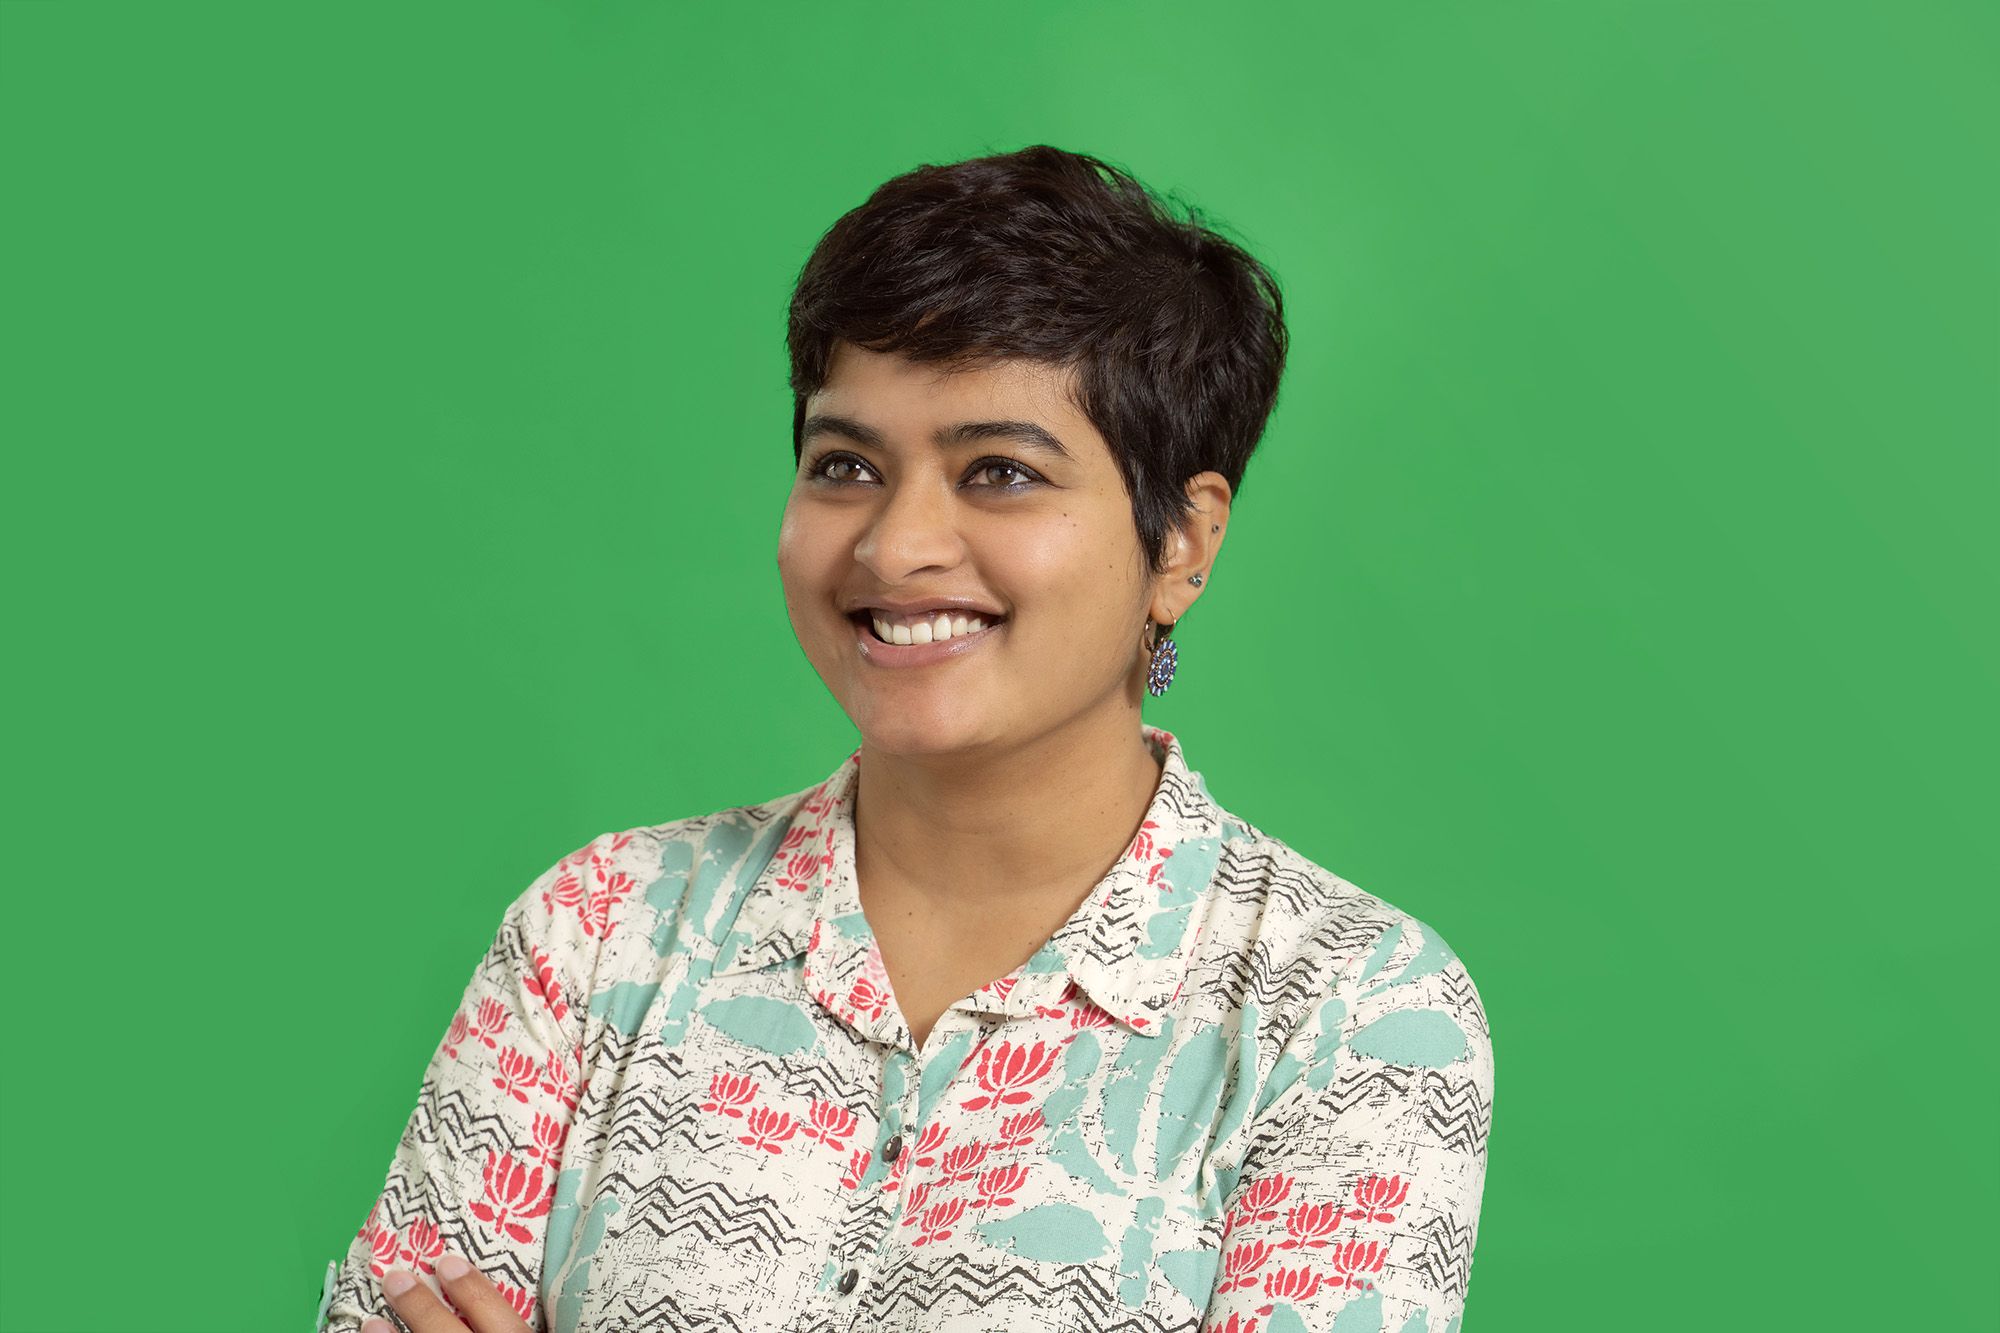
pixel 474 1171
pixel 1359 1195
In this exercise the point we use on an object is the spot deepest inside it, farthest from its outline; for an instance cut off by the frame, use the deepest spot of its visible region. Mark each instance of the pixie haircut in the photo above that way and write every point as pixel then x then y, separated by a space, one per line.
pixel 1174 336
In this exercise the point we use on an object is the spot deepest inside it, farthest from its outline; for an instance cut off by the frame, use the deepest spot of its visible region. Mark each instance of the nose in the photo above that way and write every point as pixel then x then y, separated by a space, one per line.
pixel 914 528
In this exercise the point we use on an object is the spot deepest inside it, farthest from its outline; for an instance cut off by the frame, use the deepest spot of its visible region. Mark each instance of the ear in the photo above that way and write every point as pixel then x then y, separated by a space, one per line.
pixel 1192 546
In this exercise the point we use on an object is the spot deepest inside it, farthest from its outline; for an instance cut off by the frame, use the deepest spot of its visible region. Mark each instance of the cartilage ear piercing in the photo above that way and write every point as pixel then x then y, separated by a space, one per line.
pixel 1195 579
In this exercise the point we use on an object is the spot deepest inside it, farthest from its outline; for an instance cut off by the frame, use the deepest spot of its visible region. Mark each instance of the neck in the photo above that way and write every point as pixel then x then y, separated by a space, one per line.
pixel 1006 827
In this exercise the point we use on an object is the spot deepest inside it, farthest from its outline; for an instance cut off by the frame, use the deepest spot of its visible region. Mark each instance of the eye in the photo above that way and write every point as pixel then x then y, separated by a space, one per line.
pixel 818 470
pixel 821 469
pixel 987 465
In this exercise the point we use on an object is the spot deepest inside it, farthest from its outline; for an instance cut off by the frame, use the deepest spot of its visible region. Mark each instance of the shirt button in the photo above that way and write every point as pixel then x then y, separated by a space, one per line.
pixel 848 1279
pixel 893 1148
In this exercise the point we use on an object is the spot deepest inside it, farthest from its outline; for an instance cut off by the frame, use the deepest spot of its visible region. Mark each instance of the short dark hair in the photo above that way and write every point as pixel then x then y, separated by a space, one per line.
pixel 1175 334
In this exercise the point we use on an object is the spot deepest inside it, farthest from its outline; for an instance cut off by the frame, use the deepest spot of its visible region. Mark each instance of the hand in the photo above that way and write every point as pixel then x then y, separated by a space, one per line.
pixel 482 1309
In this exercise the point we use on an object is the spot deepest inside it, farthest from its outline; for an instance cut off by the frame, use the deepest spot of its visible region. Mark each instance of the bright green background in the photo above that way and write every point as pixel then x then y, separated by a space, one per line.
pixel 398 432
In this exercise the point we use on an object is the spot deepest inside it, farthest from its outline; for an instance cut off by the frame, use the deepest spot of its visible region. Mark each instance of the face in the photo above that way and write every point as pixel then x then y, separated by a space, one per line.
pixel 897 501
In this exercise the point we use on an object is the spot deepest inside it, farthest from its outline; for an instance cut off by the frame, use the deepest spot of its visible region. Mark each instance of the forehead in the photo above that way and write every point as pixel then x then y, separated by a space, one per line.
pixel 903 402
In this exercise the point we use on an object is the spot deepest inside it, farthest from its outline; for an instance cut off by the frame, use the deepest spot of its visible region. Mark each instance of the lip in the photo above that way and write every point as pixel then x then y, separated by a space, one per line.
pixel 878 653
pixel 969 606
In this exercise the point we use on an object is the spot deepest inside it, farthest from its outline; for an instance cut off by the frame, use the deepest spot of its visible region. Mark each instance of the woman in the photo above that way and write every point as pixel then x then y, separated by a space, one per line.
pixel 1007 1024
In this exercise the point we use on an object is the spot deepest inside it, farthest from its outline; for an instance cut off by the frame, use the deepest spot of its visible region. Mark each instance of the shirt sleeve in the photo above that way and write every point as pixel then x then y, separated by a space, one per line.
pixel 1358 1198
pixel 475 1168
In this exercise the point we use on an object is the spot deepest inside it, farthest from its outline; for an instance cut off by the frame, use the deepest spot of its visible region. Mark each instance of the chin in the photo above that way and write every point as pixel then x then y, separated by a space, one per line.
pixel 919 731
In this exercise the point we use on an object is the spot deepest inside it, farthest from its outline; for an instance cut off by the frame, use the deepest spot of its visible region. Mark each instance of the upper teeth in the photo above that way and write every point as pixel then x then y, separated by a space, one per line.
pixel 928 627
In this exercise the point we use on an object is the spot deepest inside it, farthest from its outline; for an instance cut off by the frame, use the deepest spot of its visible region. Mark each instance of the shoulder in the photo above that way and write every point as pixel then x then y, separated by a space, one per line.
pixel 1311 950
pixel 616 883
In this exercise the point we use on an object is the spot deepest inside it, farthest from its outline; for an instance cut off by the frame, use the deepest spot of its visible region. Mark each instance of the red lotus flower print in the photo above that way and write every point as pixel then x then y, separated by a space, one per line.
pixel 454 1036
pixel 798 860
pixel 1007 1070
pixel 559 1081
pixel 550 1135
pixel 566 893
pixel 518 1071
pixel 939 1219
pixel 422 1245
pixel 998 1185
pixel 768 1129
pixel 729 1093
pixel 1354 1259
pixel 604 897
pixel 830 1123
pixel 1376 1198
pixel 962 1162
pixel 913 1201
pixel 1309 1224
pixel 897 1169
pixel 1289 1284
pixel 515 1193
pixel 608 855
pixel 928 1143
pixel 522 1301
pixel 1141 848
pixel 857 1166
pixel 1087 1015
pixel 1262 1197
pixel 1019 1128
pixel 490 1022
pixel 1000 987
pixel 1236 1323
pixel 867 998
pixel 1240 1265
pixel 545 987
pixel 382 1250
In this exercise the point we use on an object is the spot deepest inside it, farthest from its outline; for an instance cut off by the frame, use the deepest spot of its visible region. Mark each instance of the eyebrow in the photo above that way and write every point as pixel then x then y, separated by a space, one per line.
pixel 1024 433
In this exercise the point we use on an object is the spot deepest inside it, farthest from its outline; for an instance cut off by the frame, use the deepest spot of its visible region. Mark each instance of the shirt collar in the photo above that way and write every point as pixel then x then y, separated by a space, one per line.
pixel 1126 947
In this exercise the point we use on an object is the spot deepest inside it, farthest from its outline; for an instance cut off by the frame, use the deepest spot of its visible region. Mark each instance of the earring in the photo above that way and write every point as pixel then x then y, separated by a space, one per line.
pixel 1160 671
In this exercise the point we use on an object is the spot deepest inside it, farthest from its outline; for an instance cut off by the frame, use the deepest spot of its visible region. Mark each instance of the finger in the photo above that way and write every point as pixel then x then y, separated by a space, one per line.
pixel 479 1302
pixel 418 1305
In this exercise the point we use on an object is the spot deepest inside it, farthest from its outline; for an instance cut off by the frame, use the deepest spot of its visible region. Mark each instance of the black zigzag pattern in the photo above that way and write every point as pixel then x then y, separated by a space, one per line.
pixel 1464 998
pixel 446 1122
pixel 1374 1086
pixel 957 1284
pixel 1347 934
pixel 1282 994
pixel 1253 874
pixel 656 1109
pixel 665 1205
pixel 670 1316
pixel 865 1224
pixel 821 1076
pixel 1446 1260
pixel 1196 815
pixel 1457 1113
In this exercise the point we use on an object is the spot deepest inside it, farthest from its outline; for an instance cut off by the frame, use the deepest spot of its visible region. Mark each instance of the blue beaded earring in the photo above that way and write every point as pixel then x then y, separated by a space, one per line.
pixel 1160 670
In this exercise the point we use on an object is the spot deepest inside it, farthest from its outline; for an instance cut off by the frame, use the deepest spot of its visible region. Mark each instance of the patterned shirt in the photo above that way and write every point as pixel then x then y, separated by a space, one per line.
pixel 1233 1093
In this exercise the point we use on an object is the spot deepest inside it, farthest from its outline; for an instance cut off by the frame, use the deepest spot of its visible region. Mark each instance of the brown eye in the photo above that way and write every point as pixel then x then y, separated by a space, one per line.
pixel 986 466
pixel 826 461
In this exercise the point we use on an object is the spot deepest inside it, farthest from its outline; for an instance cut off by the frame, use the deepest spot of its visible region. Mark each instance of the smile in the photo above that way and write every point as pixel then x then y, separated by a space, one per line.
pixel 875 651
